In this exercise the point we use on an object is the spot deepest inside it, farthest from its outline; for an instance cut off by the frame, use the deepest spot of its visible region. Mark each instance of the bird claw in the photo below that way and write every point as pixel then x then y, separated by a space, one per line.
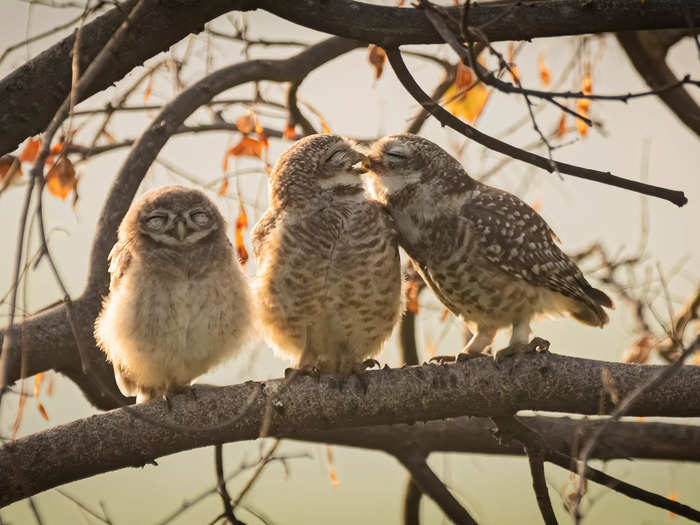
pixel 442 359
pixel 468 356
pixel 536 345
pixel 291 373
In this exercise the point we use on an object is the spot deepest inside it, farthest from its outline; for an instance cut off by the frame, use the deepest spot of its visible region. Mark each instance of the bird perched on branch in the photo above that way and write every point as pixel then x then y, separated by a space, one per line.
pixel 488 256
pixel 179 303
pixel 328 281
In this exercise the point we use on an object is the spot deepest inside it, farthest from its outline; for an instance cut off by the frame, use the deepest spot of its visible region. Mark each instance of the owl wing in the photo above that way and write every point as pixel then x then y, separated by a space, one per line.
pixel 119 260
pixel 513 236
pixel 261 230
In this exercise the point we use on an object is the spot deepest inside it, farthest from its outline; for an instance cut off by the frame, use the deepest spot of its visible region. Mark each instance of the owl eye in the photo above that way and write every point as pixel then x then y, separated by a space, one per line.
pixel 156 222
pixel 199 217
pixel 393 155
pixel 336 156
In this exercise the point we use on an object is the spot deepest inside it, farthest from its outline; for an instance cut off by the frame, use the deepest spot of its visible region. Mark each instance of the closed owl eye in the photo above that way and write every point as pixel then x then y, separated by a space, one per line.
pixel 156 222
pixel 200 217
pixel 394 155
pixel 336 156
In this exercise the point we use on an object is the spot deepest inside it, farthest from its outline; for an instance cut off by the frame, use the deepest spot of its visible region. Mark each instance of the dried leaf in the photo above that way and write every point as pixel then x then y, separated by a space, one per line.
pixel 148 90
pixel 561 128
pixel 673 496
pixel 445 314
pixel 223 189
pixel 640 351
pixel 545 77
pixel 42 410
pixel 17 423
pixel 609 385
pixel 401 3
pixel 241 226
pixel 247 147
pixel 464 76
pixel 289 132
pixel 332 473
pixel 324 126
pixel 377 59
pixel 49 387
pixel 10 169
pixel 61 179
pixel 467 105
pixel 30 151
pixel 246 123
pixel 412 297
pixel 55 150
pixel 38 378
pixel 583 105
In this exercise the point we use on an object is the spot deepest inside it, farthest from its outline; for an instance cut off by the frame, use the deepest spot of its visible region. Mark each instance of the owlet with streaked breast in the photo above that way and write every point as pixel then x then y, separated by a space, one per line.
pixel 328 282
pixel 488 256
pixel 179 303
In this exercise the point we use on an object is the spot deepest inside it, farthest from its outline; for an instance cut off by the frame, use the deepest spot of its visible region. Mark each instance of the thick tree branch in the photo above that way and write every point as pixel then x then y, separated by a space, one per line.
pixel 539 382
pixel 46 78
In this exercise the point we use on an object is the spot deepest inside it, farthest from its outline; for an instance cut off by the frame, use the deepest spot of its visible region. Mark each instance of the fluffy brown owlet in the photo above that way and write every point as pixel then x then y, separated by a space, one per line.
pixel 488 256
pixel 178 303
pixel 328 282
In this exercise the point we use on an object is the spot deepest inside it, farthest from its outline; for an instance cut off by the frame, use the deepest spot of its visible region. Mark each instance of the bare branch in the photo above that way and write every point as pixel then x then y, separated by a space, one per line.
pixel 446 118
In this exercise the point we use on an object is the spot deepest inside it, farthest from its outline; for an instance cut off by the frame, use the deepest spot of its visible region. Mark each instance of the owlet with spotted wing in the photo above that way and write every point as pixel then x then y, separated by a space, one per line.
pixel 328 282
pixel 179 303
pixel 488 256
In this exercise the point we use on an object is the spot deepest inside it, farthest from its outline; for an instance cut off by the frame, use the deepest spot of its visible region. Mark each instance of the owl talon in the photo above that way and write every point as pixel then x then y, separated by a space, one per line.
pixel 442 359
pixel 291 373
pixel 536 345
pixel 468 356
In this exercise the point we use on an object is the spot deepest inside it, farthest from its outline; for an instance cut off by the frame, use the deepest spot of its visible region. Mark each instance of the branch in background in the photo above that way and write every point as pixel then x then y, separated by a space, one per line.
pixel 447 119
pixel 295 114
pixel 647 51
pixel 539 382
pixel 430 485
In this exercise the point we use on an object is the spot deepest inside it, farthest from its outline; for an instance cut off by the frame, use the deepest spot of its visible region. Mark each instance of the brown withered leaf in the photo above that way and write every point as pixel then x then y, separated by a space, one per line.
pixel 545 77
pixel 241 226
pixel 377 59
pixel 467 104
pixel 247 147
pixel 640 351
pixel 246 123
pixel 561 127
pixel 10 169
pixel 223 189
pixel 149 89
pixel 412 296
pixel 464 76
pixel 289 132
pixel 61 178
pixel 30 151
pixel 332 472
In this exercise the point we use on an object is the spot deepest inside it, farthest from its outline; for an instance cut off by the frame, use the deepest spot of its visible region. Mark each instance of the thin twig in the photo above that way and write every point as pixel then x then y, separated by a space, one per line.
pixel 221 486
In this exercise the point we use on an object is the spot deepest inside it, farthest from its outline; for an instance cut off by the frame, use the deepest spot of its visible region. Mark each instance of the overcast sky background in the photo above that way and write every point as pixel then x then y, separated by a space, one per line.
pixel 494 489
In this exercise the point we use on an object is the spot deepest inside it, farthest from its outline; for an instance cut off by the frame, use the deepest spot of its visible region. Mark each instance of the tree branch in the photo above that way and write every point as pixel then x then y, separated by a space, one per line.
pixel 446 118
pixel 47 77
pixel 540 382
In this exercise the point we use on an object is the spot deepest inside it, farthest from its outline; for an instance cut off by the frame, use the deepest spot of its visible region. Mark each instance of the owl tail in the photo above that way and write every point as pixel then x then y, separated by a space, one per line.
pixel 589 310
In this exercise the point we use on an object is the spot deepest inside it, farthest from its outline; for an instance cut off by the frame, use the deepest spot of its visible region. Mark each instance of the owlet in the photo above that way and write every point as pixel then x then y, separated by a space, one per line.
pixel 488 256
pixel 328 282
pixel 178 302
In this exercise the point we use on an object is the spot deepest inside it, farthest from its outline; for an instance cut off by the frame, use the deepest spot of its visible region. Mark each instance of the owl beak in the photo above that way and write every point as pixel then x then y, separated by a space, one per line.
pixel 181 232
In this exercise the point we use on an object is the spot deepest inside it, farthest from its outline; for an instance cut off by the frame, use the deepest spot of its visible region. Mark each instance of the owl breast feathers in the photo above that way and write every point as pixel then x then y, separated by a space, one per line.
pixel 328 283
pixel 178 303
pixel 489 257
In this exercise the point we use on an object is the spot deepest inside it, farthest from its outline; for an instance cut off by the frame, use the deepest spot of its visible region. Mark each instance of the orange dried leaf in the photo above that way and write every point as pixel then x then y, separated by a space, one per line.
pixel 673 496
pixel 30 151
pixel 324 126
pixel 223 189
pixel 148 90
pixel 241 226
pixel 640 351
pixel 545 77
pixel 17 423
pixel 49 387
pixel 37 384
pixel 412 297
pixel 246 123
pixel 332 472
pixel 582 127
pixel 401 3
pixel 42 410
pixel 445 314
pixel 467 105
pixel 55 150
pixel 463 76
pixel 377 58
pixel 61 179
pixel 289 132
pixel 696 358
pixel 561 128
pixel 247 147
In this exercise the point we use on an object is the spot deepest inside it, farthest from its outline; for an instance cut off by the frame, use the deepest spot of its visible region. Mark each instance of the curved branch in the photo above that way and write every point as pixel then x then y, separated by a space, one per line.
pixel 541 382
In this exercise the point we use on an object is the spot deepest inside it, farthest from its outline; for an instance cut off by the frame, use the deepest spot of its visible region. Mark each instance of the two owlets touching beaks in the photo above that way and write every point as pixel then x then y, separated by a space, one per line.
pixel 328 287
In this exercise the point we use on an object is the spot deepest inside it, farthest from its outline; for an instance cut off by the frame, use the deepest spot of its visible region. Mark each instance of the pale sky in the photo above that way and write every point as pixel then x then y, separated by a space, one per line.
pixel 580 212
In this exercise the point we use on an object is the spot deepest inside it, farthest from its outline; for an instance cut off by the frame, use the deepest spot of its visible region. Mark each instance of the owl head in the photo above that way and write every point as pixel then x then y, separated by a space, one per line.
pixel 401 161
pixel 315 166
pixel 172 216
